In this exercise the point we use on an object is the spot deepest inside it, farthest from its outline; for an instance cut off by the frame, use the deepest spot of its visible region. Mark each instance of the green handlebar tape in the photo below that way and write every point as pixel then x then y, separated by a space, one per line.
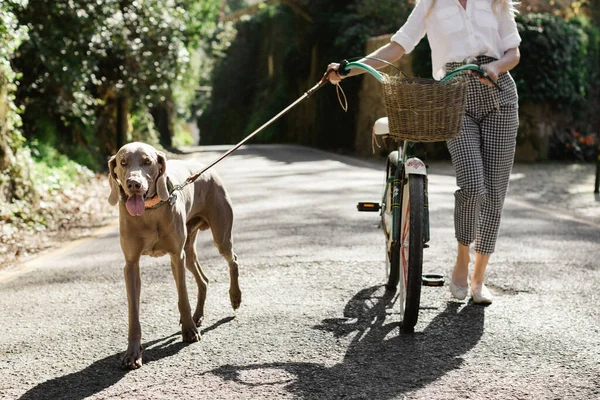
pixel 471 67
pixel 466 67
pixel 368 68
pixel 379 77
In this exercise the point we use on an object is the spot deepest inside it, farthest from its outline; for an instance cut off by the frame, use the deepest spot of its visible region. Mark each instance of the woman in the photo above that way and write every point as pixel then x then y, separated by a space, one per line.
pixel 483 153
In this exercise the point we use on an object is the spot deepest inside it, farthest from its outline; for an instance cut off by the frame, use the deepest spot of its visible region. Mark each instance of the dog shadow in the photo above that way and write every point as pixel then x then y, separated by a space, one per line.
pixel 380 362
pixel 106 372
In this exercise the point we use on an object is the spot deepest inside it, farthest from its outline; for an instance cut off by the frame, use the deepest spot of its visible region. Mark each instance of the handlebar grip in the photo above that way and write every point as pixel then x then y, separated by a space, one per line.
pixel 342 71
pixel 476 69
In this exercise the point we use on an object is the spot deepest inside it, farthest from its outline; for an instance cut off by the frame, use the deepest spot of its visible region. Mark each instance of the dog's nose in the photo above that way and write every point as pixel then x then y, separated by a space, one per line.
pixel 133 184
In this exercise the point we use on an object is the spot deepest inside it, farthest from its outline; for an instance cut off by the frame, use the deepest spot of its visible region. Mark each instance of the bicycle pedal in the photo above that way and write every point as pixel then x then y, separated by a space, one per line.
pixel 369 207
pixel 432 280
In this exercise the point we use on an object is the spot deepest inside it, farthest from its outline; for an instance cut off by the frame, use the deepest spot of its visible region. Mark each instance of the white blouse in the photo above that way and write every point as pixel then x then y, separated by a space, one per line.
pixel 455 33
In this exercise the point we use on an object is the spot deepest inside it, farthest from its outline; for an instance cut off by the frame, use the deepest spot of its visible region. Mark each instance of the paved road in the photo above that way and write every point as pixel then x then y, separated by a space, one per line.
pixel 315 322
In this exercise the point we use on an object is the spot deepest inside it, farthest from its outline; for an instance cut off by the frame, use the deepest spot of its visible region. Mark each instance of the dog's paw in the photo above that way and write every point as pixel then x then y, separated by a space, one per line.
pixel 190 334
pixel 132 359
pixel 198 320
pixel 236 298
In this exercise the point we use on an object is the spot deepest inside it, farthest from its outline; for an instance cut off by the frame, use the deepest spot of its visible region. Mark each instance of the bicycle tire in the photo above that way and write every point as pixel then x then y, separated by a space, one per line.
pixel 394 267
pixel 411 251
pixel 392 249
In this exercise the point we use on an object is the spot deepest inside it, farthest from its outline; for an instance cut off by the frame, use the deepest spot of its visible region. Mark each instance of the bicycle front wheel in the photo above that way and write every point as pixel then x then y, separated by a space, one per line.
pixel 411 249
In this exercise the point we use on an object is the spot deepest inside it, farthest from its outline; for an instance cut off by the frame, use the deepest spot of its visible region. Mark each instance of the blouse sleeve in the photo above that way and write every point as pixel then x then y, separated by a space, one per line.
pixel 413 29
pixel 507 28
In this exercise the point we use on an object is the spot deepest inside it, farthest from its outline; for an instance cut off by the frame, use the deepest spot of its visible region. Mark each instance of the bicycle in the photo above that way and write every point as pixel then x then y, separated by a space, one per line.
pixel 404 208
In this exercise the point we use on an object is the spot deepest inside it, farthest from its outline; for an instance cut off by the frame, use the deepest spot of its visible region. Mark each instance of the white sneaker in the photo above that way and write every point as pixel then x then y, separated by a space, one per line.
pixel 459 292
pixel 481 294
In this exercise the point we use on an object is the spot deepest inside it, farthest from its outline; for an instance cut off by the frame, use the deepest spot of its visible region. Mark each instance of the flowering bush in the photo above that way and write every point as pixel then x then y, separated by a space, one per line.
pixel 574 145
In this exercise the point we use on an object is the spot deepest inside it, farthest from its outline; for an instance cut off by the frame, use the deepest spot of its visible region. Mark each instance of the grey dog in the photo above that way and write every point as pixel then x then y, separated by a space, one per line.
pixel 156 220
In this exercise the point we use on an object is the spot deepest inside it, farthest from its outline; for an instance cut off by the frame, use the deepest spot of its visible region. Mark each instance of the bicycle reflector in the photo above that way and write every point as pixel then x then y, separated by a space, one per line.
pixel 372 207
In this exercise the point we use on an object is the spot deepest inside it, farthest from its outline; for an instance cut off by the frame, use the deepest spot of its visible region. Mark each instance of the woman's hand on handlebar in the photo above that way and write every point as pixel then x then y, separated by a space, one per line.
pixel 334 77
pixel 492 73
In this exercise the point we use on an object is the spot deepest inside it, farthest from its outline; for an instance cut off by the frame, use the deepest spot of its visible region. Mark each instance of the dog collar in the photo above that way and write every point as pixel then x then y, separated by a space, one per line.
pixel 155 201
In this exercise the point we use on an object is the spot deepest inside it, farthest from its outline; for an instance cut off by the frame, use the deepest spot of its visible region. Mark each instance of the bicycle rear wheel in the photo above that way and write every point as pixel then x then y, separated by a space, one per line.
pixel 411 250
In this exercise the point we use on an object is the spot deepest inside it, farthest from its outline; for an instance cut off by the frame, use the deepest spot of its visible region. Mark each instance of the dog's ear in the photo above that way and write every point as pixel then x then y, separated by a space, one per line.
pixel 161 181
pixel 113 197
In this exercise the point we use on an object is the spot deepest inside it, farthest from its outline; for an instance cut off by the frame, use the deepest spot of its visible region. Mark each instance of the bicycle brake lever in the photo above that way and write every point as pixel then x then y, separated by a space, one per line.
pixel 483 74
pixel 489 78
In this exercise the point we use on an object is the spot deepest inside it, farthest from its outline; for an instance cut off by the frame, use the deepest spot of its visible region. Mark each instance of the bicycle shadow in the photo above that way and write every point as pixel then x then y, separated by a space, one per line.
pixel 107 372
pixel 379 362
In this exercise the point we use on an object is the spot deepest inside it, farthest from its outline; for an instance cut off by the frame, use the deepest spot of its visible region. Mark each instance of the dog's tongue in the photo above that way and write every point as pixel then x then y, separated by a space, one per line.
pixel 135 205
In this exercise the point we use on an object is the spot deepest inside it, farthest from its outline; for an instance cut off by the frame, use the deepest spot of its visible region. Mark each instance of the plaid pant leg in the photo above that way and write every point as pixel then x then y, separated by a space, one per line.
pixel 465 151
pixel 498 141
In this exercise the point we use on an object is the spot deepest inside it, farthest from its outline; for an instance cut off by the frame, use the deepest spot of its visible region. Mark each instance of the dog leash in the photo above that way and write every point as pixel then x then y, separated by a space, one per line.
pixel 308 93
pixel 192 178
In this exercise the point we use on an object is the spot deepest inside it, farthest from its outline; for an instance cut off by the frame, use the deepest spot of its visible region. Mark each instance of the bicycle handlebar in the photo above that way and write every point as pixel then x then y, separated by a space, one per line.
pixel 471 67
pixel 346 66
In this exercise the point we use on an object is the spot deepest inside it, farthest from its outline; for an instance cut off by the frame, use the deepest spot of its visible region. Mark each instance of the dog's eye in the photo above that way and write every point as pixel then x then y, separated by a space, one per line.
pixel 123 162
pixel 147 161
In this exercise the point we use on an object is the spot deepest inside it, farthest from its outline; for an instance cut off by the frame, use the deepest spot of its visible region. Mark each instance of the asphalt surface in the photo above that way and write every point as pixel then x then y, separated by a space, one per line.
pixel 315 322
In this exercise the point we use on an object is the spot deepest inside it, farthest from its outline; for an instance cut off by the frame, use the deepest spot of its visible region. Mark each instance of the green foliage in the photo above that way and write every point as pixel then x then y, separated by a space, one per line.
pixel 239 74
pixel 559 69
pixel 55 171
pixel 244 95
pixel 15 160
pixel 234 5
pixel 81 55
pixel 11 36
pixel 364 19
pixel 553 65
pixel 182 136
pixel 62 64
pixel 143 128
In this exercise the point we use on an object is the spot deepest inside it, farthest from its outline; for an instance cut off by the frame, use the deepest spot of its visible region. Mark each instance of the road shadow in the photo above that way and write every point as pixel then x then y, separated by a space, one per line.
pixel 280 153
pixel 106 372
pixel 379 363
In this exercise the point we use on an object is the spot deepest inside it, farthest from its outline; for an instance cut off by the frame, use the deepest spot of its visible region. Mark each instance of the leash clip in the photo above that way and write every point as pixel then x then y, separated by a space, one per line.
pixel 172 199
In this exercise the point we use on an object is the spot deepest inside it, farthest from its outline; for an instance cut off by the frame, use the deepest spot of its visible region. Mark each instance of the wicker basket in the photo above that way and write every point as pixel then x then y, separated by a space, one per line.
pixel 424 110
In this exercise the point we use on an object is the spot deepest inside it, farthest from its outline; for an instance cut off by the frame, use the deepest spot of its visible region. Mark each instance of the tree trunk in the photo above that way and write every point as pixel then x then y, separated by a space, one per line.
pixel 164 115
pixel 122 120
pixel 6 156
pixel 112 120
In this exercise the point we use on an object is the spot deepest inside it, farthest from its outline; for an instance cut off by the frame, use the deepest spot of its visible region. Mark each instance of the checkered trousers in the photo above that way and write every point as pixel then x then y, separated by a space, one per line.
pixel 483 156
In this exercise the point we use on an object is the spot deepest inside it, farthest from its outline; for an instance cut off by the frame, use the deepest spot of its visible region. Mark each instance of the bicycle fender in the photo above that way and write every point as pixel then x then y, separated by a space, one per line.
pixel 414 166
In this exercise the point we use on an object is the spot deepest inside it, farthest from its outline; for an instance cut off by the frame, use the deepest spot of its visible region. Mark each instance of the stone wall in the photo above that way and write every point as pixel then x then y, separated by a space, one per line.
pixel 371 101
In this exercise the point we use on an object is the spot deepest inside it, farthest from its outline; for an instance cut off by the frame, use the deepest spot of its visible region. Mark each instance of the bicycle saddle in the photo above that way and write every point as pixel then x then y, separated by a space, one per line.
pixel 381 127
